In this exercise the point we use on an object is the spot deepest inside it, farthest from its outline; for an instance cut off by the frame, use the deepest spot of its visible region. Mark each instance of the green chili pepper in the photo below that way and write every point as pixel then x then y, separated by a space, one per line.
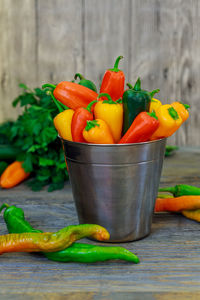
pixel 169 150
pixel 8 153
pixel 3 166
pixel 135 100
pixel 15 221
pixel 77 252
pixel 86 253
pixel 85 82
pixel 182 190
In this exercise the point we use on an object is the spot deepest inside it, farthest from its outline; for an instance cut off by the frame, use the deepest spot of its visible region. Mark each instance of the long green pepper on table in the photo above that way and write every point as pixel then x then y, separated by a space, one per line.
pixel 77 252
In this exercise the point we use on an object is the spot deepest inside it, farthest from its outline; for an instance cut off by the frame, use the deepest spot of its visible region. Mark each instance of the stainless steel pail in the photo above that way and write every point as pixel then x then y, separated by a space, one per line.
pixel 116 185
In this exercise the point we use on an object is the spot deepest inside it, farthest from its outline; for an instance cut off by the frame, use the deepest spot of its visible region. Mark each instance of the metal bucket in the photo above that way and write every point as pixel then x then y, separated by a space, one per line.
pixel 116 185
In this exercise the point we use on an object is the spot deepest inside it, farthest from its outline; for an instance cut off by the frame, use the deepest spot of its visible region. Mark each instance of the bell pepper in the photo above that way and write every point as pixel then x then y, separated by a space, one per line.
pixel 112 113
pixel 142 128
pixel 79 121
pixel 85 82
pixel 63 120
pixel 154 104
pixel 98 132
pixel 13 175
pixel 169 120
pixel 182 109
pixel 135 100
pixel 113 81
pixel 72 94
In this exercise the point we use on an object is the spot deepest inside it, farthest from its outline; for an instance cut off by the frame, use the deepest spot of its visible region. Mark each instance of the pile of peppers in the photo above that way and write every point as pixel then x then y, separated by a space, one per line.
pixel 115 115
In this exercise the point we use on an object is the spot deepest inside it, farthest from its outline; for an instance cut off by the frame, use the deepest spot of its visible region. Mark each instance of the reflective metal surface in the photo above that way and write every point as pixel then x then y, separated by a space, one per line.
pixel 116 185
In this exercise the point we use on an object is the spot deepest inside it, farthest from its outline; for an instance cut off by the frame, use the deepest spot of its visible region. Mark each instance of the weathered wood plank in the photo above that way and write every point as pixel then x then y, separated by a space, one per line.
pixel 17 51
pixel 106 36
pixel 59 40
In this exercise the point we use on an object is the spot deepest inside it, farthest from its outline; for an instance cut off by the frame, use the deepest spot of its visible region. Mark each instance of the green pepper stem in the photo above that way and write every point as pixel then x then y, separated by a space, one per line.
pixel 109 101
pixel 59 107
pixel 91 124
pixel 78 75
pixel 168 189
pixel 5 205
pixel 137 86
pixel 130 86
pixel 154 92
pixel 187 106
pixel 48 85
pixel 153 115
pixel 90 105
pixel 116 68
pixel 119 101
pixel 173 113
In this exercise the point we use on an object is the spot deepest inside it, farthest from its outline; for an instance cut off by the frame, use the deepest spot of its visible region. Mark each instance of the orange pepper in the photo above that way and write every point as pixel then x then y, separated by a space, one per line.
pixel 98 132
pixel 13 175
pixel 182 109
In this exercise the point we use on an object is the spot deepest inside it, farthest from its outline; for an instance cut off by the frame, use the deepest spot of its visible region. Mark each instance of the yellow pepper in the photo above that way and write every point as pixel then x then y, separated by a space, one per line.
pixel 112 113
pixel 63 120
pixel 169 120
pixel 182 109
pixel 155 103
pixel 98 132
pixel 62 123
pixel 192 214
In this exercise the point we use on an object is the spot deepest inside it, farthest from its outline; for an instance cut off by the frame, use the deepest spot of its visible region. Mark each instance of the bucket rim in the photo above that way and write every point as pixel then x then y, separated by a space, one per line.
pixel 111 145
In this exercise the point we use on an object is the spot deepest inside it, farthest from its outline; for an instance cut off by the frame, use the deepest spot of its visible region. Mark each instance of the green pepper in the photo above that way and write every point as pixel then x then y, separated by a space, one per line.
pixel 3 166
pixel 8 153
pixel 135 100
pixel 86 253
pixel 77 252
pixel 181 190
pixel 85 82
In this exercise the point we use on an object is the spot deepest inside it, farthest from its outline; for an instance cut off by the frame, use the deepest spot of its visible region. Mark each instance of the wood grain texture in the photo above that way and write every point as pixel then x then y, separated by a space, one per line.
pixel 18 62
pixel 170 258
pixel 49 41
pixel 106 36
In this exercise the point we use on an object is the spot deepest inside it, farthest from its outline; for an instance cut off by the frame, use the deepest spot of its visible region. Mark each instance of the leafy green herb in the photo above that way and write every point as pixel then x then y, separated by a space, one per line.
pixel 36 137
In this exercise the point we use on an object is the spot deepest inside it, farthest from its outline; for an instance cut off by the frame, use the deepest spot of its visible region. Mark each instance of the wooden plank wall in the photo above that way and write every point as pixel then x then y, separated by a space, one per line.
pixel 50 40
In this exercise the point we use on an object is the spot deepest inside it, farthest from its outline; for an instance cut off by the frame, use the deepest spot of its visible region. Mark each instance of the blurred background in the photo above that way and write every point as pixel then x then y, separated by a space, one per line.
pixel 50 40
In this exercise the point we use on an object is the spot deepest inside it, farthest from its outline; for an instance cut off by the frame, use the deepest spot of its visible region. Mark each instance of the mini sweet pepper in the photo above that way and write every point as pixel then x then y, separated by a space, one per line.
pixel 112 113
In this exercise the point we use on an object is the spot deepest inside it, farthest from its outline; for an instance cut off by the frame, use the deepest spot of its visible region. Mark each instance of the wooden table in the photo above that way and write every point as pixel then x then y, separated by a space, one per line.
pixel 170 256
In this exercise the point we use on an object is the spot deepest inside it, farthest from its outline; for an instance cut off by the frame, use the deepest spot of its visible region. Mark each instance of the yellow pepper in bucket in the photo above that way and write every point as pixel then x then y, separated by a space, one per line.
pixel 154 105
pixel 112 113
pixel 169 120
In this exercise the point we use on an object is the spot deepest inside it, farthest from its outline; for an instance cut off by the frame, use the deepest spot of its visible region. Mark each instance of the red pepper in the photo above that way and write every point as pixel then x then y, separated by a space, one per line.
pixel 79 121
pixel 113 82
pixel 72 94
pixel 142 128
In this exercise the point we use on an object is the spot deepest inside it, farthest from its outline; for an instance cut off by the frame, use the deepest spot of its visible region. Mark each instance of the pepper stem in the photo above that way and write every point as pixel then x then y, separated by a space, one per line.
pixel 78 75
pixel 48 85
pixel 5 205
pixel 91 124
pixel 154 92
pixel 168 189
pixel 59 107
pixel 90 105
pixel 153 115
pixel 137 86
pixel 173 113
pixel 116 69
pixel 130 86
pixel 187 106
pixel 104 95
